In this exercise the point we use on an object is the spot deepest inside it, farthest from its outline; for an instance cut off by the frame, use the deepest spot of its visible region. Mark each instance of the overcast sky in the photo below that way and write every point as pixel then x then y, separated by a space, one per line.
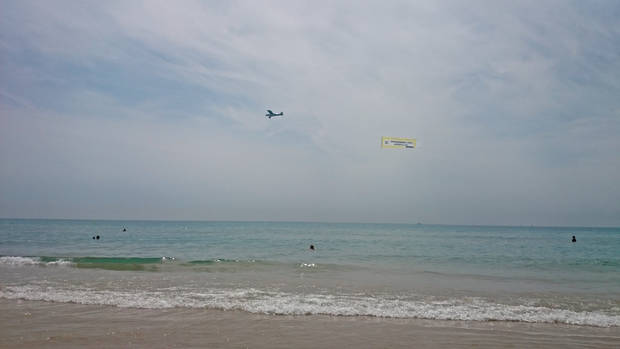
pixel 155 110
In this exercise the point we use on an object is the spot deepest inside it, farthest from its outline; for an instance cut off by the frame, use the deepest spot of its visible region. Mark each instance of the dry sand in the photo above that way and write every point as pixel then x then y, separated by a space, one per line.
pixel 26 324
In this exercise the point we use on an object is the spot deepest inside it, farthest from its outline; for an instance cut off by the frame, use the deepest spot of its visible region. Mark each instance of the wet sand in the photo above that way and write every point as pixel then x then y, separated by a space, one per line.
pixel 28 324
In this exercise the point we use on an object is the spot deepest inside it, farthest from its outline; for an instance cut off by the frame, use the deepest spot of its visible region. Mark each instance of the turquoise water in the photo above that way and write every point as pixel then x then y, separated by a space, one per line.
pixel 481 273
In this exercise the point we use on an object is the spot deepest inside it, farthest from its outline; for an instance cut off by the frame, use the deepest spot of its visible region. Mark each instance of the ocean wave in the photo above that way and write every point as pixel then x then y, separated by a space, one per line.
pixel 155 263
pixel 110 263
pixel 281 303
pixel 21 261
pixel 223 261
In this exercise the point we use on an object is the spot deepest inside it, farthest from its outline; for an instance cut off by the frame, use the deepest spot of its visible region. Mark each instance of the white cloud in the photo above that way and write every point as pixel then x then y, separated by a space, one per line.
pixel 158 106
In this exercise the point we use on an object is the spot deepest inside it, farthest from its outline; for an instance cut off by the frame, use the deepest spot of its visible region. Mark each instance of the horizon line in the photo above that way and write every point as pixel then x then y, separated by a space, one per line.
pixel 315 222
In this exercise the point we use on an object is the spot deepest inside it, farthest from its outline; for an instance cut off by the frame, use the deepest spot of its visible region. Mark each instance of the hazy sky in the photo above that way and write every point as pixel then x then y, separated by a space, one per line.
pixel 155 110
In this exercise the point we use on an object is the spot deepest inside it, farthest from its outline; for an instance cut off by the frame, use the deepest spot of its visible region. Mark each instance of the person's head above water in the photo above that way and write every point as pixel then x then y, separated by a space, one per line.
pixel 312 247
pixel 574 239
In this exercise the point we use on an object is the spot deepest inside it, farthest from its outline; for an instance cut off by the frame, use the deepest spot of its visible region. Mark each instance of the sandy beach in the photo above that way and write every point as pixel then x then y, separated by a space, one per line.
pixel 29 324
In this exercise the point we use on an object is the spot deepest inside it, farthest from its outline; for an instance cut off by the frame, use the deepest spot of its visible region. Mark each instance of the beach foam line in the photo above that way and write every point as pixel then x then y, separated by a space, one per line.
pixel 281 303
pixel 21 261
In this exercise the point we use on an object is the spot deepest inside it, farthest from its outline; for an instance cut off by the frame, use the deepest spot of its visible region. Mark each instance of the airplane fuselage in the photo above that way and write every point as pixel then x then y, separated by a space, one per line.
pixel 270 115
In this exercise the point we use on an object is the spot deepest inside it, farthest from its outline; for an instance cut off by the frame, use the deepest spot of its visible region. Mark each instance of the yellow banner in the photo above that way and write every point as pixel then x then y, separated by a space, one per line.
pixel 401 143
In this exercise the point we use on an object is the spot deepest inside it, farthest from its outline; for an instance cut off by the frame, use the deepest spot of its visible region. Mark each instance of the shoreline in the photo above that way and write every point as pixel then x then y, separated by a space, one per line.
pixel 28 324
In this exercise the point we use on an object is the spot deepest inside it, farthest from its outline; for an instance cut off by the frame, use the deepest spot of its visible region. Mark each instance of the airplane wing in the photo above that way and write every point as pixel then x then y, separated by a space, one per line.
pixel 269 111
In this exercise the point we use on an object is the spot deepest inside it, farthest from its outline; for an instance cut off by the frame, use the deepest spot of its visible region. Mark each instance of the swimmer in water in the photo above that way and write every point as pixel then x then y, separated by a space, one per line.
pixel 574 239
pixel 312 247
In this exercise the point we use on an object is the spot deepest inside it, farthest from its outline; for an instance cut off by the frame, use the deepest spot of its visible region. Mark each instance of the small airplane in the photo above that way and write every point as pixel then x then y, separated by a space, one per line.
pixel 271 114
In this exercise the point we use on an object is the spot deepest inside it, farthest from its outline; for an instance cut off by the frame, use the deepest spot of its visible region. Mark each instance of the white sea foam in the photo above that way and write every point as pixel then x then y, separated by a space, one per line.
pixel 20 261
pixel 60 262
pixel 10 260
pixel 259 301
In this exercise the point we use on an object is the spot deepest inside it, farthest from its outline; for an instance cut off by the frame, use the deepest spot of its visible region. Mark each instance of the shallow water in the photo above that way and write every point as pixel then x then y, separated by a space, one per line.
pixel 63 325
pixel 528 274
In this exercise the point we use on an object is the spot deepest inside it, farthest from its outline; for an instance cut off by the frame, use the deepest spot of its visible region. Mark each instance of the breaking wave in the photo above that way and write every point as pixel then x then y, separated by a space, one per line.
pixel 282 303
pixel 20 261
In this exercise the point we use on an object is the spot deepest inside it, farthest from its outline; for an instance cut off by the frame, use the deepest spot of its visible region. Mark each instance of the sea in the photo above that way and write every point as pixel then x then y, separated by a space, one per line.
pixel 437 272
